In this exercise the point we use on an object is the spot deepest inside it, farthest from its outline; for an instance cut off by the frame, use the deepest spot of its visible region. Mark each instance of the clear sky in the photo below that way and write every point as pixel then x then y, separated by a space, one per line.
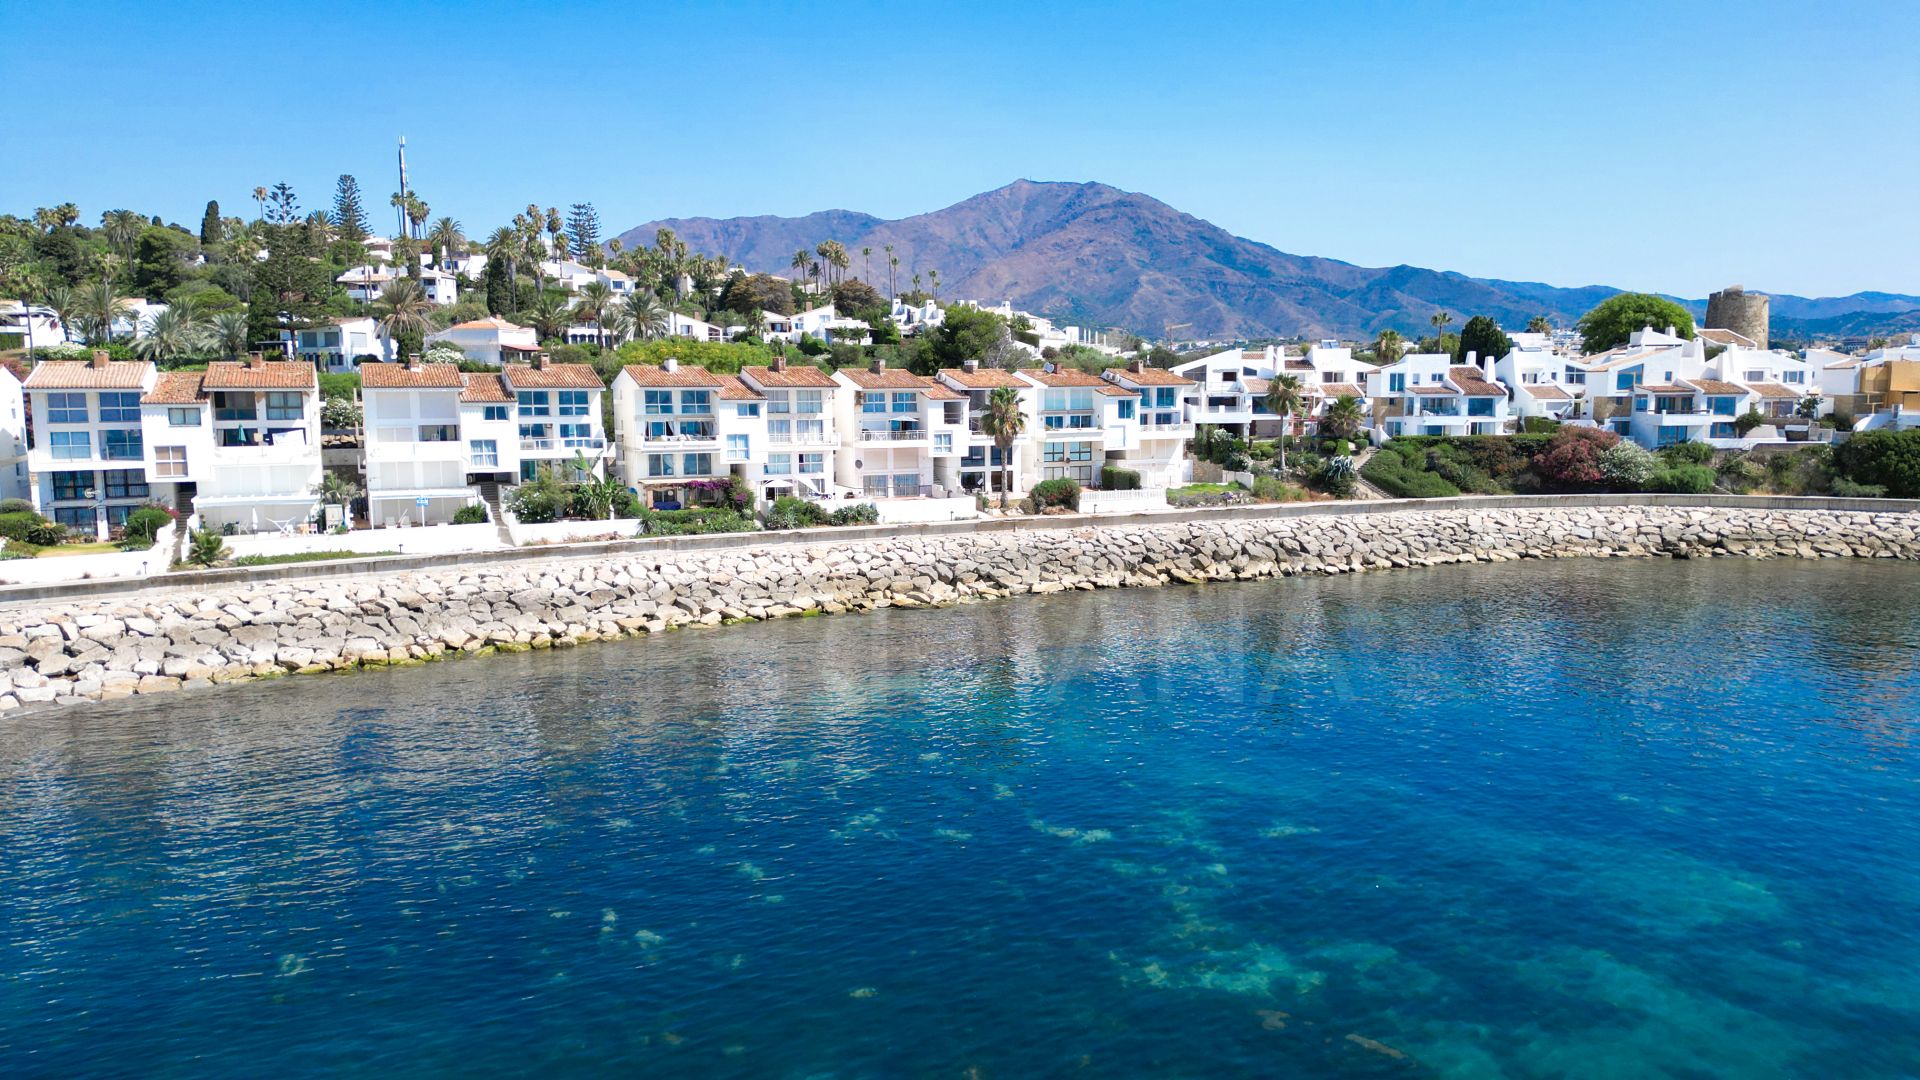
pixel 1668 146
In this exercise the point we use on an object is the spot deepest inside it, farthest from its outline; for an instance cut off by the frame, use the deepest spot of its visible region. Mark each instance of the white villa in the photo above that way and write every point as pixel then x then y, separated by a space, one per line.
pixel 981 464
pixel 238 444
pixel 418 456
pixel 799 405
pixel 1428 394
pixel 491 340
pixel 674 429
pixel 902 435
pixel 337 346
pixel 1160 456
pixel 87 465
pixel 1083 422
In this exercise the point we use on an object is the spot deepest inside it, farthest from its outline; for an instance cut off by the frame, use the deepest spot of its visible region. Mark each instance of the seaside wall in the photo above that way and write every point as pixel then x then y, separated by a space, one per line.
pixel 160 639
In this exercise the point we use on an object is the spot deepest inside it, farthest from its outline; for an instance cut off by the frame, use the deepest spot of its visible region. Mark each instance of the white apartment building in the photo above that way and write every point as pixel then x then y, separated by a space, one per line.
pixel 336 346
pixel 1160 457
pixel 491 340
pixel 799 405
pixel 1082 422
pixel 1428 394
pixel 1542 382
pixel 1780 381
pixel 556 414
pixel 238 444
pixel 36 323
pixel 981 465
pixel 1697 409
pixel 912 319
pixel 13 436
pixel 419 447
pixel 87 465
pixel 677 427
pixel 901 435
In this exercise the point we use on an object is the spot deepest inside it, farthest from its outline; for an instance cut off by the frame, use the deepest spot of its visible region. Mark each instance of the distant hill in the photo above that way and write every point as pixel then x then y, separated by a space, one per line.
pixel 1092 253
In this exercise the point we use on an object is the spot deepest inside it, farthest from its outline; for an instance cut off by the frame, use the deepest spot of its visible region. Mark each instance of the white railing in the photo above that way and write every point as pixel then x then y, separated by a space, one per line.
pixel 824 438
pixel 562 444
pixel 1165 427
pixel 707 438
pixel 902 435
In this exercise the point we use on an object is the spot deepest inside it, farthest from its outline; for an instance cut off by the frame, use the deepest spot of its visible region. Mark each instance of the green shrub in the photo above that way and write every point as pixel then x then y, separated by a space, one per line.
pixel 470 514
pixel 1335 476
pixel 1396 474
pixel 1839 421
pixel 1739 475
pixel 142 526
pixel 857 514
pixel 1747 421
pixel 1115 478
pixel 694 522
pixel 1847 489
pixel 29 527
pixel 1570 460
pixel 206 549
pixel 1682 480
pixel 306 556
pixel 1539 425
pixel 1691 452
pixel 793 512
pixel 1627 466
pixel 15 506
pixel 1063 492
pixel 1888 459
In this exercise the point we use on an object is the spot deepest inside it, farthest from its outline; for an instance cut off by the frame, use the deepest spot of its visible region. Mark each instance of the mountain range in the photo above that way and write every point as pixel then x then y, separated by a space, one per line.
pixel 1093 254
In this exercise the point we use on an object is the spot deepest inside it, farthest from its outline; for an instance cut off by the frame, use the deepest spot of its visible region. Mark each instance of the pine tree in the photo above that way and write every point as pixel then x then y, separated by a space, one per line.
pixel 349 217
pixel 283 205
pixel 211 230
pixel 583 229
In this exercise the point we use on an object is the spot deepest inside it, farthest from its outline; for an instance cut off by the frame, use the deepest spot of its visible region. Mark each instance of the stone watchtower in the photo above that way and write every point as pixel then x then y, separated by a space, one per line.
pixel 1734 308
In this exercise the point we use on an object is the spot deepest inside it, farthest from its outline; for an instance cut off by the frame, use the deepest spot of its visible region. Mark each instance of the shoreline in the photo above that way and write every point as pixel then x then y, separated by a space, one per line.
pixel 166 636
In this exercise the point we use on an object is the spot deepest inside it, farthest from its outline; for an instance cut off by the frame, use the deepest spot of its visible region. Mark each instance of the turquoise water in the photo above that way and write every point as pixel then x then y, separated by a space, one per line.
pixel 1595 819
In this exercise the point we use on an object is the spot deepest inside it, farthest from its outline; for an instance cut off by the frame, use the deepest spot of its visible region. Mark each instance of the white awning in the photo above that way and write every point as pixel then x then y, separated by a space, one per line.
pixel 201 502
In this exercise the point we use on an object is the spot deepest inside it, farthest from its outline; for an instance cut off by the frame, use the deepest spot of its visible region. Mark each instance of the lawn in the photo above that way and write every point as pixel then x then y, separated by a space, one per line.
pixel 63 550
pixel 306 556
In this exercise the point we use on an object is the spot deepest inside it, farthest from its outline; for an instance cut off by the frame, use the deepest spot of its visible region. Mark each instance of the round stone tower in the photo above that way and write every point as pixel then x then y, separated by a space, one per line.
pixel 1734 308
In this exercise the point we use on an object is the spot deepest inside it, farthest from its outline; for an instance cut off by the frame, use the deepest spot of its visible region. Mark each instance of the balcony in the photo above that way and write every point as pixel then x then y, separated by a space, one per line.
pixel 561 446
pixel 681 435
pixel 884 435
pixel 803 438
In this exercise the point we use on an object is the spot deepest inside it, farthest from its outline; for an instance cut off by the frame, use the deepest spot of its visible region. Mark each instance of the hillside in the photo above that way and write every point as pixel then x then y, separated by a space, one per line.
pixel 1093 253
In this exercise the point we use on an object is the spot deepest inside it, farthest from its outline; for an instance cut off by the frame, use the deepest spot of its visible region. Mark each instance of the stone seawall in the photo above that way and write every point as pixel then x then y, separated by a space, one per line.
pixel 158 641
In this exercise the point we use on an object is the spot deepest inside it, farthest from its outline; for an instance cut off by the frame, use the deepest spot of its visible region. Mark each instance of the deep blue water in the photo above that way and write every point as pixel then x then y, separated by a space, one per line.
pixel 1590 819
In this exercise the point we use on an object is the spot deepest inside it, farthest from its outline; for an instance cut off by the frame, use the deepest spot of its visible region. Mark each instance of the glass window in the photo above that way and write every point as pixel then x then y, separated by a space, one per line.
pixel 1167 398
pixel 904 401
pixel 1397 382
pixel 536 431
pixel 70 445
pixel 1126 409
pixel 807 401
pixel 1080 451
pixel 697 464
pixel 233 406
pixel 778 402
pixel 74 517
pixel 169 461
pixel 126 484
pixel 659 403
pixel 66 408
pixel 576 434
pixel 873 403
pixel 68 486
pixel 496 412
pixel 943 442
pixel 659 464
pixel 439 433
pixel 779 464
pixel 1795 377
pixel 1054 452
pixel 534 403
pixel 736 448
pixel 813 463
pixel 573 402
pixel 696 401
pixel 183 417
pixel 747 408
pixel 120 407
pixel 1627 380
pixel 285 405
pixel 485 453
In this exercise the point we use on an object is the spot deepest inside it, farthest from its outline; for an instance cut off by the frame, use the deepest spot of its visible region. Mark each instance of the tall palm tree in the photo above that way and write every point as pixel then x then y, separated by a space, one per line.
pixel 170 334
pixel 933 279
pixel 1284 398
pixel 866 255
pixel 503 247
pixel 65 304
pixel 122 228
pixel 260 200
pixel 398 201
pixel 802 258
pixel 1440 321
pixel 893 263
pixel 649 317
pixel 446 239
pixel 1343 417
pixel 99 305
pixel 555 226
pixel 417 212
pixel 1389 347
pixel 591 305
pixel 404 312
pixel 617 325
pixel 228 335
pixel 1005 422
pixel 550 316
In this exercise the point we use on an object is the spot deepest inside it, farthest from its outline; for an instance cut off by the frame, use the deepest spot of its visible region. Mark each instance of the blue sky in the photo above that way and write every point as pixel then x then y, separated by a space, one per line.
pixel 1663 146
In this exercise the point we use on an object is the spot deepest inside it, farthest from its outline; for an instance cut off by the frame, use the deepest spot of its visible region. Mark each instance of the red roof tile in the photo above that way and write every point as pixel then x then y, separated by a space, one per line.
pixel 402 377
pixel 692 375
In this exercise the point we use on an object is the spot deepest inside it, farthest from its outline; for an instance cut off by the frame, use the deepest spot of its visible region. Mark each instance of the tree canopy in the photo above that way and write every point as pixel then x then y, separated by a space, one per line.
pixel 1484 338
pixel 1613 320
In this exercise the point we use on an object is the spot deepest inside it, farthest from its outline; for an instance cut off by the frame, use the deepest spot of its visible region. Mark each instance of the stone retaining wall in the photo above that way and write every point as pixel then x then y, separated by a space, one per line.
pixel 78 650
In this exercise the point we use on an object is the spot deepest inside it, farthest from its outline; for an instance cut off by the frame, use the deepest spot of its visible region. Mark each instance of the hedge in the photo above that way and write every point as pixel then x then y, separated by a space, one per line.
pixel 1115 478
pixel 1063 492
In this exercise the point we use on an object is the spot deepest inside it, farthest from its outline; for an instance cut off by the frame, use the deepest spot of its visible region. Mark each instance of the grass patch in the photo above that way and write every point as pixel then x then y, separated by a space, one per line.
pixel 306 556
pixel 1204 489
pixel 63 550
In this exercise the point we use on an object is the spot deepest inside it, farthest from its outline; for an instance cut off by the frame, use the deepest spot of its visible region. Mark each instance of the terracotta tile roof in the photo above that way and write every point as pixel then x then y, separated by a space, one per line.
pixel 1253 354
pixel 487 389
pixel 554 377
pixel 1653 388
pixel 1149 376
pixel 1715 386
pixel 983 378
pixel 82 375
pixel 1064 377
pixel 732 389
pixel 1473 382
pixel 267 375
pixel 886 379
pixel 801 375
pixel 176 388
pixel 938 392
pixel 491 322
pixel 1431 391
pixel 1546 392
pixel 1255 385
pixel 402 377
pixel 685 375
pixel 1777 391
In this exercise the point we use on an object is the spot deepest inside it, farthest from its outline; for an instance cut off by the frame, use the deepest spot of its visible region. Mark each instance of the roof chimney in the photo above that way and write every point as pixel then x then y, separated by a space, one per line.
pixel 413 361
pixel 970 365
pixel 671 363
pixel 1137 366
pixel 543 361
pixel 255 360
pixel 877 366
pixel 779 364
pixel 99 359
pixel 1473 358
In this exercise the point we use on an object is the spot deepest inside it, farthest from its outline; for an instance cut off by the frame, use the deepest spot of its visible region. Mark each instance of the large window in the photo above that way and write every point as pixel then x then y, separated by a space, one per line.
pixel 71 486
pixel 66 408
pixel 496 412
pixel 1126 408
pixel 1396 382
pixel 120 407
pixel 70 445
pixel 576 435
pixel 659 403
pixel 188 417
pixel 813 464
pixel 807 401
pixel 696 401
pixel 697 464
pixel 534 403
pixel 284 405
pixel 573 402
pixel 736 448
pixel 873 403
pixel 778 402
pixel 439 433
pixel 943 442
pixel 1480 406
pixel 779 464
pixel 1166 397
pixel 747 408
pixel 536 431
pixel 169 462
pixel 126 484
pixel 905 401
pixel 74 517
pixel 234 407
pixel 485 453
pixel 659 464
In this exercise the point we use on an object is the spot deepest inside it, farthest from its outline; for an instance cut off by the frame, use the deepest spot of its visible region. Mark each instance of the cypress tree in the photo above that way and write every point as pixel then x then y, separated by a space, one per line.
pixel 349 217
pixel 500 298
pixel 210 228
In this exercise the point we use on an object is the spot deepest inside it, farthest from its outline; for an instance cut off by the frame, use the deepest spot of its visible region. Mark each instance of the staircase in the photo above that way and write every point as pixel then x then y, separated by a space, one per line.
pixel 1361 488
pixel 490 494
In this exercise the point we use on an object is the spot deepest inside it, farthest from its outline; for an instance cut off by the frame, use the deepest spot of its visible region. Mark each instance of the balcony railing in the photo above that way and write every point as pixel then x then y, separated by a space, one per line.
pixel 537 445
pixel 802 438
pixel 679 437
pixel 892 435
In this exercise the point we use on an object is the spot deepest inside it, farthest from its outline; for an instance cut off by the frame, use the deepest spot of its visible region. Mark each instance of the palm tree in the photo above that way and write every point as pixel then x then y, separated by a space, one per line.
pixel 398 201
pixel 893 263
pixel 1539 324
pixel 65 304
pixel 1440 320
pixel 1284 398
pixel 228 334
pixel 550 316
pixel 1389 347
pixel 648 315
pixel 122 228
pixel 99 305
pixel 554 227
pixel 170 334
pixel 260 200
pixel 866 254
pixel 334 488
pixel 933 279
pixel 617 325
pixel 802 258
pixel 404 312
pixel 503 247
pixel 595 298
pixel 1343 416
pixel 1005 422
pixel 445 238
pixel 416 213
